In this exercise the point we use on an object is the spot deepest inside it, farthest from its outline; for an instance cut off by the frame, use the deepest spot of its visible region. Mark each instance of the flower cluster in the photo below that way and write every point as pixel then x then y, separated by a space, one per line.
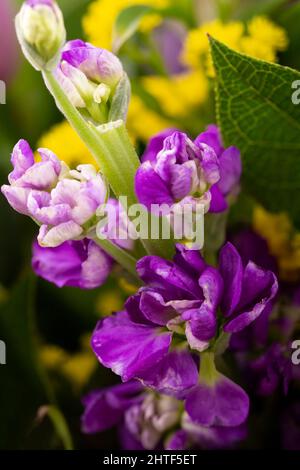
pixel 62 201
pixel 166 343
pixel 149 421
pixel 183 309
pixel 64 204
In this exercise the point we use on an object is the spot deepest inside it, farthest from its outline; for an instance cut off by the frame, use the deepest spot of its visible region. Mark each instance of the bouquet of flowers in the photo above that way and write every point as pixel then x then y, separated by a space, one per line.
pixel 139 185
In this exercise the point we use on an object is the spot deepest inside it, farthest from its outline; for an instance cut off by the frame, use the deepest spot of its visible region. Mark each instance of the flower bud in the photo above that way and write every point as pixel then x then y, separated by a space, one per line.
pixel 94 81
pixel 41 32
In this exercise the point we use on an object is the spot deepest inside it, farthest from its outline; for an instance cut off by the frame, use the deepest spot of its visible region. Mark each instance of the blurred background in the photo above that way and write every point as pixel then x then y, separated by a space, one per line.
pixel 46 329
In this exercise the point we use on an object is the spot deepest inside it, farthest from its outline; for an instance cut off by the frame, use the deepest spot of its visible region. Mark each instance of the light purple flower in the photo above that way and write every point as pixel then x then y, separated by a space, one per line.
pixel 228 160
pixel 29 177
pixel 79 263
pixel 89 76
pixel 63 202
pixel 70 209
pixel 99 65
pixel 182 169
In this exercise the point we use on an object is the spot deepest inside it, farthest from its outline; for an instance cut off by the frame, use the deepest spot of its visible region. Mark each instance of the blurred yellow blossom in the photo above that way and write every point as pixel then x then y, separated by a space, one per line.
pixel 268 33
pixel 260 38
pixel 143 122
pixel 109 301
pixel 66 144
pixel 76 368
pixel 127 287
pixel 282 239
pixel 179 94
pixel 100 18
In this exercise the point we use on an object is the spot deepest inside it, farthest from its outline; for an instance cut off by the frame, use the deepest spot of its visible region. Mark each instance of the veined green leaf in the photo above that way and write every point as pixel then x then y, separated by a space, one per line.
pixel 256 113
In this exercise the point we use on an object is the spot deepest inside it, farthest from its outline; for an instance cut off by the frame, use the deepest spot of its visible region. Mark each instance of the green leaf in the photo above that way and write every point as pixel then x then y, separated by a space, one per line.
pixel 127 24
pixel 59 423
pixel 256 113
pixel 120 101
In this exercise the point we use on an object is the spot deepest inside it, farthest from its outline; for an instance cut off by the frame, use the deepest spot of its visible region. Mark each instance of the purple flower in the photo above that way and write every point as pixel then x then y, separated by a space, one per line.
pixel 227 161
pixel 177 300
pixel 105 408
pixel 150 421
pixel 29 177
pixel 79 263
pixel 179 307
pixel 70 209
pixel 142 415
pixel 63 202
pixel 90 77
pixel 181 170
pixel 98 65
pixel 247 290
pixel 230 168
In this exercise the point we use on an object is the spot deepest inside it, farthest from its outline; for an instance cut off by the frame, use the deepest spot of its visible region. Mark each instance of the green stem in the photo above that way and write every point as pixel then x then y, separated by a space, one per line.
pixel 112 149
pixel 117 162
pixel 208 371
pixel 126 260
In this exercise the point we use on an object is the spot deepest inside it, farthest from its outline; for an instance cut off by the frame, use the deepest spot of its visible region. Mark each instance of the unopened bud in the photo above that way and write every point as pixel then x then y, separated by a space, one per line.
pixel 41 32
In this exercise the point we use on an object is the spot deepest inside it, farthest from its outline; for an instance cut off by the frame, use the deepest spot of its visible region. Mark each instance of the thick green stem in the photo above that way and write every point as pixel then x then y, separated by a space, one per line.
pixel 118 163
pixel 113 151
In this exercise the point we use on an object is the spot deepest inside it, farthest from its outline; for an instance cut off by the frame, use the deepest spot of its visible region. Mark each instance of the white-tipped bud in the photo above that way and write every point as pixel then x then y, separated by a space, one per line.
pixel 41 32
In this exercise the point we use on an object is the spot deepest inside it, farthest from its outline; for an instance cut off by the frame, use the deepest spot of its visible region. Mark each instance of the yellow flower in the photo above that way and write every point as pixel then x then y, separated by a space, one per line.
pixel 269 34
pixel 108 302
pixel 179 94
pixel 283 241
pixel 260 38
pixel 77 368
pixel 143 122
pixel 66 144
pixel 98 23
